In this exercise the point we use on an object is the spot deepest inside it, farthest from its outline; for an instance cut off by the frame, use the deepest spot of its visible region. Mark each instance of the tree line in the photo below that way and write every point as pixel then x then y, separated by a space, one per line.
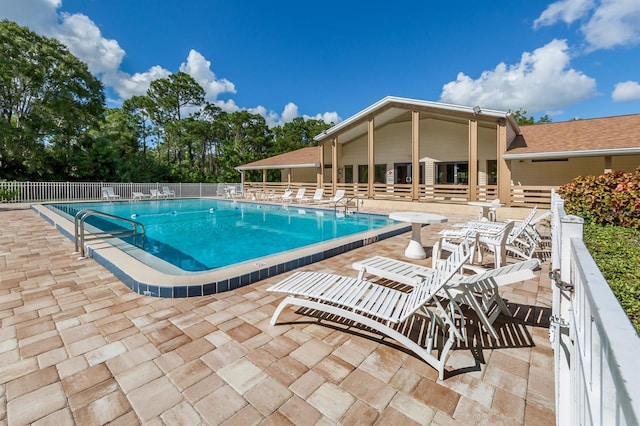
pixel 54 125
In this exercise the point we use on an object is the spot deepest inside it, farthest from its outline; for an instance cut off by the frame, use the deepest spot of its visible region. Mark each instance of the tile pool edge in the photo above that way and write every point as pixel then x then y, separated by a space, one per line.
pixel 145 280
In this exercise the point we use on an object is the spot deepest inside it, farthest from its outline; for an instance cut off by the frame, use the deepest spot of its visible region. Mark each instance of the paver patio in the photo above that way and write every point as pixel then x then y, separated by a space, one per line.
pixel 77 346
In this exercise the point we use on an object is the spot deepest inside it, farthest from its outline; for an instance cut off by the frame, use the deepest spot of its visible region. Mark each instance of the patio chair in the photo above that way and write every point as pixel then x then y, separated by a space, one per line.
pixel 317 196
pixel 299 195
pixel 287 195
pixel 168 192
pixel 381 308
pixel 478 291
pixel 137 196
pixel 108 194
pixel 338 196
pixel 156 193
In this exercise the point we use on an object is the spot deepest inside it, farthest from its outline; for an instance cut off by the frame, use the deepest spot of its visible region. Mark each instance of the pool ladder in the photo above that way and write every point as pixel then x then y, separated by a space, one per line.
pixel 137 229
pixel 348 202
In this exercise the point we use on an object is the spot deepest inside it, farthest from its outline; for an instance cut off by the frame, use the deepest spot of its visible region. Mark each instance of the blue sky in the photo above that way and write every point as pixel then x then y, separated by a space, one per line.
pixel 282 59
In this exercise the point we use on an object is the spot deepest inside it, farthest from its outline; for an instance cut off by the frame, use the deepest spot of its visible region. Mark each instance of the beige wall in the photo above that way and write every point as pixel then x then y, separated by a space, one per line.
pixel 439 141
pixel 556 173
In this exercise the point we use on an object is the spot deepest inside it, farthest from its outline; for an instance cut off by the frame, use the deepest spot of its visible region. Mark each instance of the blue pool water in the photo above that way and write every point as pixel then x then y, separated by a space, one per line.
pixel 204 234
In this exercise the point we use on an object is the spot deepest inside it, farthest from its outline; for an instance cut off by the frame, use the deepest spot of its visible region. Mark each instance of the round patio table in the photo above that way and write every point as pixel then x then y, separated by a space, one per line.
pixel 488 209
pixel 417 219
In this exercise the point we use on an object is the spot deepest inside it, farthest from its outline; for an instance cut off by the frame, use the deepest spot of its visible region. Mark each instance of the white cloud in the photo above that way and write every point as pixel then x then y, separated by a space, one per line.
pixel 104 58
pixel 84 39
pixel 200 69
pixel 626 91
pixel 608 24
pixel 327 117
pixel 541 81
pixel 614 23
pixel 566 11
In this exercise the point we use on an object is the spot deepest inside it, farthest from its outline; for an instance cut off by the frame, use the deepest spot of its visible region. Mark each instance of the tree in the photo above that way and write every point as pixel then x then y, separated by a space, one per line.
pixel 48 98
pixel 296 134
pixel 521 118
pixel 170 100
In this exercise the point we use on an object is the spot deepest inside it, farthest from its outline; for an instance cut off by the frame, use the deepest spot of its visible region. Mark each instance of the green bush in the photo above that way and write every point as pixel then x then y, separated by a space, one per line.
pixel 7 193
pixel 609 199
pixel 616 251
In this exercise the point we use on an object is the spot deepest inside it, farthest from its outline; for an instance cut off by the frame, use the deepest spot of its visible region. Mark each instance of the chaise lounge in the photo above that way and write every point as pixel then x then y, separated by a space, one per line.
pixel 384 309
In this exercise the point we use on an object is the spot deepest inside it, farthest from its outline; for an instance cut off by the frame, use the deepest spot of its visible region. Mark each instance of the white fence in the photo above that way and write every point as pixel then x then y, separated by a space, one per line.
pixel 28 192
pixel 595 346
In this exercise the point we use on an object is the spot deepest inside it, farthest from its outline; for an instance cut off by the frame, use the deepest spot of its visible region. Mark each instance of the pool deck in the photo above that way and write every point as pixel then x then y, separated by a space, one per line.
pixel 78 346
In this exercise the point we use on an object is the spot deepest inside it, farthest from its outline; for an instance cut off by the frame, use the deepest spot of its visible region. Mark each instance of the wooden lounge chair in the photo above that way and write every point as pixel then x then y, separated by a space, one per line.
pixel 478 291
pixel 384 309
pixel 108 194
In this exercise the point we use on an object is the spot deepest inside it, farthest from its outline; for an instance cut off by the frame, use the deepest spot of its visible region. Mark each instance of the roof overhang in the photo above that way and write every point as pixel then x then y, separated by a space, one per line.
pixel 572 154
pixel 278 166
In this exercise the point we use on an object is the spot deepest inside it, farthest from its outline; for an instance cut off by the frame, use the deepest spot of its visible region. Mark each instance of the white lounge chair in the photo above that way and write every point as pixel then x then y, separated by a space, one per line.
pixel 156 193
pixel 137 196
pixel 383 308
pixel 299 195
pixel 166 192
pixel 479 291
pixel 317 196
pixel 338 196
pixel 287 195
pixel 108 194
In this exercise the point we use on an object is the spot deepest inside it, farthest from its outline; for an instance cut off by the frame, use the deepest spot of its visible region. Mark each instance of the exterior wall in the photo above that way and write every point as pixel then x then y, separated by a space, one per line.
pixel 556 173
pixel 439 141
pixel 303 175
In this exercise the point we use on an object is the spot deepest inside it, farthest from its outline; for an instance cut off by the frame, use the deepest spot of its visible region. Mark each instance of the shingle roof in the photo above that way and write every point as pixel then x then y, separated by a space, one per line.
pixel 304 157
pixel 592 136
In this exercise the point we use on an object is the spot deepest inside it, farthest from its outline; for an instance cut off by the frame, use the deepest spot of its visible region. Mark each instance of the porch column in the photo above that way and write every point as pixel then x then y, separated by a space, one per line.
pixel 473 160
pixel 242 178
pixel 320 172
pixel 371 166
pixel 415 155
pixel 608 168
pixel 504 166
pixel 264 176
pixel 334 164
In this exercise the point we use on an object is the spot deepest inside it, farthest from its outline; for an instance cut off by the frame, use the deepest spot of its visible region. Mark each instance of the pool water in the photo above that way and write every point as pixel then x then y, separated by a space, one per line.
pixel 205 234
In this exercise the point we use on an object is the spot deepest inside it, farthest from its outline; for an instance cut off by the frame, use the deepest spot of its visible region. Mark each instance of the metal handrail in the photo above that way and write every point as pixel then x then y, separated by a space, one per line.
pixel 346 204
pixel 80 238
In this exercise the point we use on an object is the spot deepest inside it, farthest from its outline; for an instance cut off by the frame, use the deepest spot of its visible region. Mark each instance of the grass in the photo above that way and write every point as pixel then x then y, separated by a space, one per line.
pixel 616 251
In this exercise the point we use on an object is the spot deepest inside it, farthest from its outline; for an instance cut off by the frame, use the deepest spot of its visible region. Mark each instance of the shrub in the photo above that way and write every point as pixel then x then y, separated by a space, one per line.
pixel 609 199
pixel 7 192
pixel 616 251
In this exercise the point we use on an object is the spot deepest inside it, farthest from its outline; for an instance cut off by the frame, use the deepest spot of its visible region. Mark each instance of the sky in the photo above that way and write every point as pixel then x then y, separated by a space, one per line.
pixel 285 59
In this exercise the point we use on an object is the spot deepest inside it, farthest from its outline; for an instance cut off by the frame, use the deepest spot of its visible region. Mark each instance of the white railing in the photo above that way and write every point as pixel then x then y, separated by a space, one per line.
pixel 28 192
pixel 595 346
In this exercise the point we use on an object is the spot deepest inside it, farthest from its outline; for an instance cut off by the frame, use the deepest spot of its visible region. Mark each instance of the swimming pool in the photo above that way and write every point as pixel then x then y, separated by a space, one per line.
pixel 226 243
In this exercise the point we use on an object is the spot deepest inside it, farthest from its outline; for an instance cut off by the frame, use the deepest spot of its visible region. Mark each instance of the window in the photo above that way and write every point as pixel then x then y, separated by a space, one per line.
pixel 492 172
pixel 379 173
pixel 452 173
pixel 363 174
pixel 348 174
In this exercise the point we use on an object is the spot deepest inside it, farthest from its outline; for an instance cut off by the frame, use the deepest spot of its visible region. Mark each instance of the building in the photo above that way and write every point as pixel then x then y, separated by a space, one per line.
pixel 422 151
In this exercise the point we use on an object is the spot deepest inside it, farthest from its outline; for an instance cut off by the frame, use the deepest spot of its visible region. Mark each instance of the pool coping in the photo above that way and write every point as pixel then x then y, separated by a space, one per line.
pixel 144 279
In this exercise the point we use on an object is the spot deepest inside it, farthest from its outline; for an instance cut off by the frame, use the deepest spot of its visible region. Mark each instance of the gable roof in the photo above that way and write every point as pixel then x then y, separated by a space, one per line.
pixel 619 135
pixel 304 157
pixel 392 108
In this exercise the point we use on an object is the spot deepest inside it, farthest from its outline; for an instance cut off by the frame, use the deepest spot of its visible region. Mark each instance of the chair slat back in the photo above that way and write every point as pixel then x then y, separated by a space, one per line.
pixel 444 271
pixel 518 230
